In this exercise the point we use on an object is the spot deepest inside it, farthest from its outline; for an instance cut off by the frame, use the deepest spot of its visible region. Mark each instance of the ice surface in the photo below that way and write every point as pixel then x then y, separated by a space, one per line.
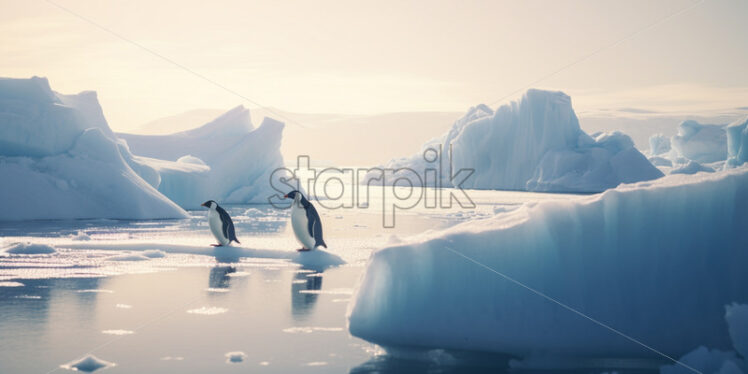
pixel 28 249
pixel 226 160
pixel 701 143
pixel 692 167
pixel 88 364
pixel 533 144
pixel 59 160
pixel 655 260
pixel 737 142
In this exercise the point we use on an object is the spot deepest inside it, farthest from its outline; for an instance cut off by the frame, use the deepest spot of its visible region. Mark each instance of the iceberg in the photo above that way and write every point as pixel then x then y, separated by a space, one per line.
pixel 60 160
pixel 737 142
pixel 659 145
pixel 533 144
pixel 227 159
pixel 701 143
pixel 657 261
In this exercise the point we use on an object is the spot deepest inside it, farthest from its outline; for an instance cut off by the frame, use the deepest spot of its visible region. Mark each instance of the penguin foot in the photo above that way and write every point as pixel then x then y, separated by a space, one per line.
pixel 216 245
pixel 303 250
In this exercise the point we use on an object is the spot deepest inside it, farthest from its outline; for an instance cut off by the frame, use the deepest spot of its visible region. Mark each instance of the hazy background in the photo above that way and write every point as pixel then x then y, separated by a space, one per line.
pixel 364 62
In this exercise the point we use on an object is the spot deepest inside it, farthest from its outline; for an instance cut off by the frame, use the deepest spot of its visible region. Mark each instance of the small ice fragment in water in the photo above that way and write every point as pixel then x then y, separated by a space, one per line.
pixel 217 290
pixel 264 363
pixel 88 364
pixel 317 363
pixel 170 358
pixel 208 310
pixel 123 306
pixel 80 236
pixel 28 249
pixel 31 297
pixel 154 253
pixel 117 332
pixel 235 357
pixel 11 284
pixel 309 330
pixel 238 274
pixel 127 257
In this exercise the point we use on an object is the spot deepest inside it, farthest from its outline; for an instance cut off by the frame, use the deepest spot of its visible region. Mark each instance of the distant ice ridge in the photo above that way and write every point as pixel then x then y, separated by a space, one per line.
pixel 701 143
pixel 59 159
pixel 533 144
pixel 656 260
pixel 226 160
pixel 737 142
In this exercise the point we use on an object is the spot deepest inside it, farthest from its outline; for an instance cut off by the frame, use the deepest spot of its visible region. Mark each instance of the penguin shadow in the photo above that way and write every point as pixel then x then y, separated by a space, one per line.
pixel 219 276
pixel 302 303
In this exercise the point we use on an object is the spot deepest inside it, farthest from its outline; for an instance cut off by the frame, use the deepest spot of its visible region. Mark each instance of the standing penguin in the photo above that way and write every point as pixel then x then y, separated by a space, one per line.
pixel 305 221
pixel 220 224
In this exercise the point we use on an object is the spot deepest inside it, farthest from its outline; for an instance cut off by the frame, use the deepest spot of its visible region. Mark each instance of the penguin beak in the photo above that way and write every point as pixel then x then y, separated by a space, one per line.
pixel 203 204
pixel 285 196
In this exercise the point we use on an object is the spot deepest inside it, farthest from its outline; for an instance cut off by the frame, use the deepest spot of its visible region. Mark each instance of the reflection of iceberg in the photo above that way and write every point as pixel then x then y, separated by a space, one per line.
pixel 219 276
pixel 657 261
pixel 303 303
pixel 59 159
pixel 227 160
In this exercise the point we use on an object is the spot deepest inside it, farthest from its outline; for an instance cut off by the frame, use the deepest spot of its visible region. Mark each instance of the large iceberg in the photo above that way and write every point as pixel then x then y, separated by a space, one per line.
pixel 700 143
pixel 59 159
pixel 533 144
pixel 657 261
pixel 227 160
pixel 737 142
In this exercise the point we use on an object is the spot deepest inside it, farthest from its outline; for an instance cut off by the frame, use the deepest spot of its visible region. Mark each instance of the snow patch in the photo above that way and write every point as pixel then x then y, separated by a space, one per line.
pixel 235 357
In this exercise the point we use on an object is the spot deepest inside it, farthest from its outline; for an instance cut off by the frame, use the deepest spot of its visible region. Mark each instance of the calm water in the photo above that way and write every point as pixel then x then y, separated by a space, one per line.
pixel 183 311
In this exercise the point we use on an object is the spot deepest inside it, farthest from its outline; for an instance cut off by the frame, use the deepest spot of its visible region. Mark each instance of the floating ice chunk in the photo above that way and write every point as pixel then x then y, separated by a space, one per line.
pixel 208 310
pixel 692 167
pixel 154 253
pixel 646 259
pixel 99 290
pixel 702 143
pixel 88 364
pixel 316 363
pixel 28 249
pixel 11 284
pixel 117 332
pixel 128 257
pixel 235 357
pixel 80 236
pixel 124 306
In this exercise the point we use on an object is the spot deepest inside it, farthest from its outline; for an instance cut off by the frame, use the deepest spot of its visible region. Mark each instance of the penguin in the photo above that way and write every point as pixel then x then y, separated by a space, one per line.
pixel 305 221
pixel 220 224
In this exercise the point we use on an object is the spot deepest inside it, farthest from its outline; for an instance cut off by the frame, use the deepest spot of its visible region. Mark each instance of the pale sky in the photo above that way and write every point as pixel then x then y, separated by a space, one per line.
pixel 376 57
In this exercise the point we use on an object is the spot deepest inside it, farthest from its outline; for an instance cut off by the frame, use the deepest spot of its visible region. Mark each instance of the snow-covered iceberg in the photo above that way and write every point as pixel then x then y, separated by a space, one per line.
pixel 59 159
pixel 657 261
pixel 227 160
pixel 533 144
pixel 700 143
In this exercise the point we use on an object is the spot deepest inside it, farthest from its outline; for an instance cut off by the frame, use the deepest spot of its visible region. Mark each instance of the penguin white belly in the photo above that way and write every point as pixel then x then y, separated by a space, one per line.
pixel 301 226
pixel 216 227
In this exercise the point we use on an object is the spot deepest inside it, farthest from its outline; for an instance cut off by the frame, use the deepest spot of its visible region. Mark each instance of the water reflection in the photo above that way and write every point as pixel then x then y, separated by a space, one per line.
pixel 436 361
pixel 302 303
pixel 219 276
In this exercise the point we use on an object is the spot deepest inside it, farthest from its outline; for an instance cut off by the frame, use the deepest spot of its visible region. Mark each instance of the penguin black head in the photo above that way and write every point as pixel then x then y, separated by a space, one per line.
pixel 208 204
pixel 292 194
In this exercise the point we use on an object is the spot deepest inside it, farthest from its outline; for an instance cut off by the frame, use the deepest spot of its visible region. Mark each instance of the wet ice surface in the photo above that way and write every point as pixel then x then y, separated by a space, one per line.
pixel 152 296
